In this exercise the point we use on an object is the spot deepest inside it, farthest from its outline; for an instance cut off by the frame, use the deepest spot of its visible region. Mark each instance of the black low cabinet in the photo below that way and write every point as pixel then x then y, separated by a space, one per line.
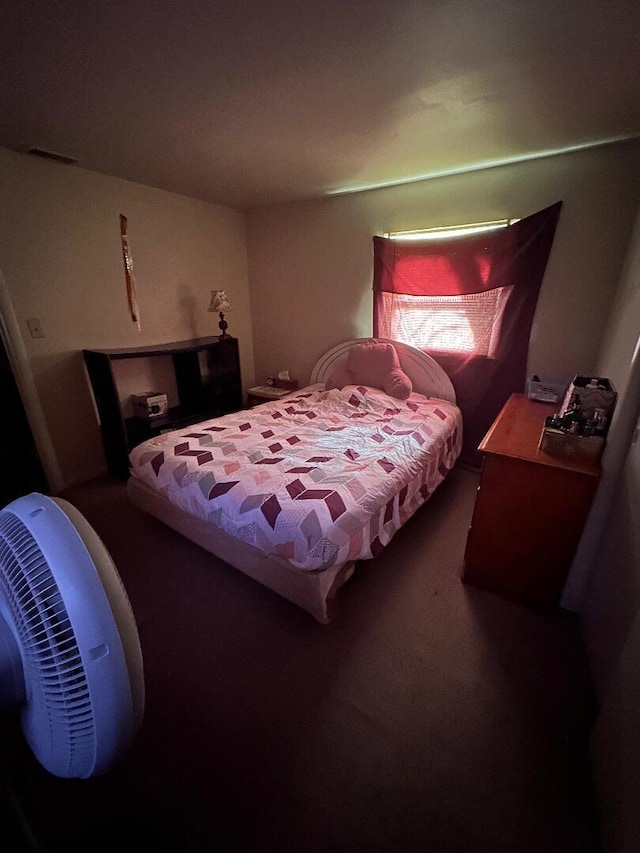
pixel 208 382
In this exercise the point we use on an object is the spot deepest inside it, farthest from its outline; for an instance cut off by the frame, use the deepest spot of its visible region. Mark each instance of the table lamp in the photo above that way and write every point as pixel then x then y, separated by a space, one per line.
pixel 220 305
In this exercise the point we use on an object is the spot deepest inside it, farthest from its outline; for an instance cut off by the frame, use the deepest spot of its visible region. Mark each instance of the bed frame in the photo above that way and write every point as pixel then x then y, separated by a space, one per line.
pixel 314 592
pixel 426 375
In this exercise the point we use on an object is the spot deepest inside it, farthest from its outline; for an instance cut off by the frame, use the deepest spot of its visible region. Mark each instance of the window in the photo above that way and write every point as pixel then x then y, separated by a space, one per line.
pixel 457 323
pixel 466 295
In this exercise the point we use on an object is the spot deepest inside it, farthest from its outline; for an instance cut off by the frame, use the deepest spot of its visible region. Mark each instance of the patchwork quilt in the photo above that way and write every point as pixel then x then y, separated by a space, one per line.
pixel 319 478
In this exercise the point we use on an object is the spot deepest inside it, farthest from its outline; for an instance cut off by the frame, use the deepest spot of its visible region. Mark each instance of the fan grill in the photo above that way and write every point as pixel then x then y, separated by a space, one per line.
pixel 54 673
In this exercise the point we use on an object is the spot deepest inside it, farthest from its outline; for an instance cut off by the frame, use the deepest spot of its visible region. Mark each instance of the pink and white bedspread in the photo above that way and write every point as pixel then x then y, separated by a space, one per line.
pixel 321 478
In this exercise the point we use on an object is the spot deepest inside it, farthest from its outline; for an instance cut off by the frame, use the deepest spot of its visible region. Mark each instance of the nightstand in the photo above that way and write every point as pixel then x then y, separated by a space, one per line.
pixel 530 509
pixel 264 394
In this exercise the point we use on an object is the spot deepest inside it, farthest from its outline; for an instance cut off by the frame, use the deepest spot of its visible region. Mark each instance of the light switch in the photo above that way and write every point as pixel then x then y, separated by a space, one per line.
pixel 35 328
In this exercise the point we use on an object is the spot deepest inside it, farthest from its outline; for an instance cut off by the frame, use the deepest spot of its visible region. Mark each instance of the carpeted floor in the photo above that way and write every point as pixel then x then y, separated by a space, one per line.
pixel 430 717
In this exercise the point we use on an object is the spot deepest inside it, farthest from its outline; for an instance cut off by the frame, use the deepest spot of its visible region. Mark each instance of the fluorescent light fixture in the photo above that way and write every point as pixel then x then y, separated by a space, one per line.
pixel 487 164
pixel 445 231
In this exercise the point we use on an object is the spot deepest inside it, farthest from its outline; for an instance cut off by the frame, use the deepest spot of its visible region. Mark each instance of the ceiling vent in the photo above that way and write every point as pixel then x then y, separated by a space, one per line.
pixel 51 155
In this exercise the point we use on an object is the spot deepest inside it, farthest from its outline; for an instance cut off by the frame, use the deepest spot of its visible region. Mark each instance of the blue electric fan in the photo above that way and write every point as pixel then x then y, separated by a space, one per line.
pixel 70 657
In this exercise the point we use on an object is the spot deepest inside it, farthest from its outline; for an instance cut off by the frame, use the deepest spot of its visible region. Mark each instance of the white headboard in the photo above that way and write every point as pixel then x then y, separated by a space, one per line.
pixel 426 375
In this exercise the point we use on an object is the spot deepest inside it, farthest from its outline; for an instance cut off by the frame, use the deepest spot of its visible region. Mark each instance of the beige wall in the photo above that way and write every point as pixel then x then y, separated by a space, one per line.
pixel 610 597
pixel 610 601
pixel 611 624
pixel 61 257
pixel 310 264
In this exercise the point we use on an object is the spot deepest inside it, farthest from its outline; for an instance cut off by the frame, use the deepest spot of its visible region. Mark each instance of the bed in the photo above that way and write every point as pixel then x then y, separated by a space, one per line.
pixel 296 491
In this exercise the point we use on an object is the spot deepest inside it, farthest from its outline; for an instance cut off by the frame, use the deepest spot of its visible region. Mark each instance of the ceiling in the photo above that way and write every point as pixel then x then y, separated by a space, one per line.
pixel 252 103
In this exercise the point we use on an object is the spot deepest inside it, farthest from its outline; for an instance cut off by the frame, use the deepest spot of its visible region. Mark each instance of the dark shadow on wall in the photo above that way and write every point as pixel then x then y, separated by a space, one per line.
pixel 21 470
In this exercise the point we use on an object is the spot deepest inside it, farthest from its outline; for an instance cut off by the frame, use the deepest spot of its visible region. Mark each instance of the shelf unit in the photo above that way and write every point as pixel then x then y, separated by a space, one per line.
pixel 208 382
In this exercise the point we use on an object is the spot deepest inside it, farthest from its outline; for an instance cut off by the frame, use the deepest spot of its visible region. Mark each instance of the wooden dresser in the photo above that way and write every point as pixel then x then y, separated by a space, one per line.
pixel 530 509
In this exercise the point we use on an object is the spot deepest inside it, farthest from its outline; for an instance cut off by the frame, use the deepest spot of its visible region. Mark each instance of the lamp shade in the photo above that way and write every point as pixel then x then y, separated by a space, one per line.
pixel 219 302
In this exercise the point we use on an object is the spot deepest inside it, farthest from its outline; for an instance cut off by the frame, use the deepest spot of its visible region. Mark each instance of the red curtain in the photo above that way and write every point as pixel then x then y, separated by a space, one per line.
pixel 469 302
